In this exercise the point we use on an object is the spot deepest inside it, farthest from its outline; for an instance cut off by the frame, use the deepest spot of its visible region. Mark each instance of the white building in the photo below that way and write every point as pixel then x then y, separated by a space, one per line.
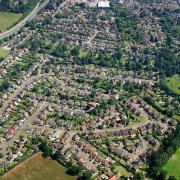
pixel 103 4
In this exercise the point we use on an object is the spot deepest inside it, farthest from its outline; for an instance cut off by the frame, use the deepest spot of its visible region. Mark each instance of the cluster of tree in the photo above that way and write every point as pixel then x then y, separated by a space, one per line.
pixel 169 24
pixel 5 5
pixel 165 151
pixel 5 84
pixel 48 20
pixel 60 51
pixel 77 171
pixel 166 62
pixel 126 24
pixel 37 45
pixel 73 170
pixel 101 58
pixel 103 106
pixel 8 5
pixel 85 175
pixel 45 148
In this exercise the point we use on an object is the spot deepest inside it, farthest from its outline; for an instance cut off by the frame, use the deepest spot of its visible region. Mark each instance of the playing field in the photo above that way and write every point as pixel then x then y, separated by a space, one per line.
pixel 172 167
pixel 3 53
pixel 38 168
pixel 174 84
pixel 7 19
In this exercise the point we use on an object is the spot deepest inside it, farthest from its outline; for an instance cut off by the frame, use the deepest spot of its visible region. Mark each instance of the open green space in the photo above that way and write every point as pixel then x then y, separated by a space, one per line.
pixel 172 167
pixel 7 19
pixel 173 84
pixel 38 168
pixel 3 53
pixel 177 117
pixel 122 171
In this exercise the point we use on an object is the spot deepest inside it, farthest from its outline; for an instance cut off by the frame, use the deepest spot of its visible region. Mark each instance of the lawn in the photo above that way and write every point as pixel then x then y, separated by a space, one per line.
pixel 83 53
pixel 7 19
pixel 177 117
pixel 3 53
pixel 122 171
pixel 174 84
pixel 172 167
pixel 38 168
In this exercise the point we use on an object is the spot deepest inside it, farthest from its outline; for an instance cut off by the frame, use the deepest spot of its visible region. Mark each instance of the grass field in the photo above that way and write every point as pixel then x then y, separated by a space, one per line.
pixel 174 84
pixel 3 53
pixel 7 19
pixel 172 167
pixel 122 170
pixel 38 168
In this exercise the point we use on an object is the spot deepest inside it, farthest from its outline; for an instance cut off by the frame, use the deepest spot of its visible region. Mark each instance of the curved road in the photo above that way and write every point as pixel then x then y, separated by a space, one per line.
pixel 22 23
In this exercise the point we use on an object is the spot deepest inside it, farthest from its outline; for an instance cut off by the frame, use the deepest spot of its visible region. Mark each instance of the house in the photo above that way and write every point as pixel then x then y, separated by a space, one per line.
pixel 127 158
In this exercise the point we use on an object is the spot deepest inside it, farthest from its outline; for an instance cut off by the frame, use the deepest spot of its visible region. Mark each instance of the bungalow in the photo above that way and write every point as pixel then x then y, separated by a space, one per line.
pixel 133 132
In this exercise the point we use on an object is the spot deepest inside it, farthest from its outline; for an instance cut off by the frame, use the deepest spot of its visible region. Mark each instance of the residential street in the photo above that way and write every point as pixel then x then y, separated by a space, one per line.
pixel 29 120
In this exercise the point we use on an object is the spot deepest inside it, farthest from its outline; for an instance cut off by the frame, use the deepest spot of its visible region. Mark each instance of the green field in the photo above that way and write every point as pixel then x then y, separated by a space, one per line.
pixel 38 168
pixel 7 19
pixel 172 167
pixel 122 171
pixel 3 53
pixel 174 84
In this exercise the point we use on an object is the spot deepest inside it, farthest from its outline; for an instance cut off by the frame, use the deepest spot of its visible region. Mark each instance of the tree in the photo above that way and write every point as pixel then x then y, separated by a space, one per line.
pixel 85 176
pixel 73 170
pixel 75 51
pixel 47 92
pixel 57 155
pixel 172 178
pixel 46 69
pixel 138 176
pixel 5 5
pixel 46 149
pixel 171 143
pixel 1 155
pixel 162 175
pixel 48 20
pixel 5 85
pixel 93 94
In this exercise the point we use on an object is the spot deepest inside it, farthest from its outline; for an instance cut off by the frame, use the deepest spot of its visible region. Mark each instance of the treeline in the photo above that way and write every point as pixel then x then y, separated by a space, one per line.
pixel 166 150
pixel 127 24
pixel 164 87
pixel 8 5
pixel 166 62
pixel 150 101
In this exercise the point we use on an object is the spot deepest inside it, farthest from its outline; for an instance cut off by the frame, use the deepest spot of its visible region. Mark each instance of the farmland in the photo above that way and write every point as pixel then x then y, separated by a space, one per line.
pixel 3 53
pixel 173 83
pixel 7 19
pixel 39 168
pixel 173 165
